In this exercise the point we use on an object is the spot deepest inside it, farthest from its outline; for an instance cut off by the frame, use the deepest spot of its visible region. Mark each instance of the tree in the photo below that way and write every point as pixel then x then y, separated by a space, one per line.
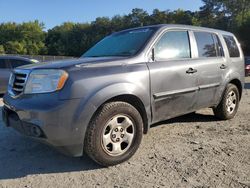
pixel 27 37
pixel 182 17
pixel 73 39
pixel 238 10
pixel 14 47
pixel 225 14
pixel 2 51
pixel 57 39
pixel 244 37
pixel 138 17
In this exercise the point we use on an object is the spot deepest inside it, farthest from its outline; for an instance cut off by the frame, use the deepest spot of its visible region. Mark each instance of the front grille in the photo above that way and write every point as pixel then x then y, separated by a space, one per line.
pixel 17 82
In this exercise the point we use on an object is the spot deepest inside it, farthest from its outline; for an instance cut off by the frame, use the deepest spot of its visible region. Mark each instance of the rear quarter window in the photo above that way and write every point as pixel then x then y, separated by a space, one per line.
pixel 231 46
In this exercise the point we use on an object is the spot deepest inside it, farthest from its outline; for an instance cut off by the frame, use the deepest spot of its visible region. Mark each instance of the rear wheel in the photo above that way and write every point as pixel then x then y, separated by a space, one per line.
pixel 114 134
pixel 229 104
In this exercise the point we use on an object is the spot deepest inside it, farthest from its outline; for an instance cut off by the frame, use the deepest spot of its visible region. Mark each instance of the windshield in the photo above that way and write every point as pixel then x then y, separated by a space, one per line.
pixel 126 43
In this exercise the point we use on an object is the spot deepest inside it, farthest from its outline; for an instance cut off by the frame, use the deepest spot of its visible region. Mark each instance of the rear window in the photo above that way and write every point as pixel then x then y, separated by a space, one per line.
pixel 3 64
pixel 232 46
pixel 208 44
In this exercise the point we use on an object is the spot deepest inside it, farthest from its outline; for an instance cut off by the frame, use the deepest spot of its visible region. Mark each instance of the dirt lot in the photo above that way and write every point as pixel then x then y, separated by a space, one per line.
pixel 190 151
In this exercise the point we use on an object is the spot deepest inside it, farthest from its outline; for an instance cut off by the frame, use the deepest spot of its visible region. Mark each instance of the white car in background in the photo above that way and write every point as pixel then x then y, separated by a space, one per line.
pixel 7 64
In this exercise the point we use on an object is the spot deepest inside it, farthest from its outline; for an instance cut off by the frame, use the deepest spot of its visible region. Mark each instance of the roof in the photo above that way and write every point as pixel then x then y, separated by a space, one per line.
pixel 180 26
pixel 195 28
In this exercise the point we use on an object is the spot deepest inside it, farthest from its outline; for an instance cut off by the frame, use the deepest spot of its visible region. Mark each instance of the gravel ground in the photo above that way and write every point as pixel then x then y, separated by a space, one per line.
pixel 190 151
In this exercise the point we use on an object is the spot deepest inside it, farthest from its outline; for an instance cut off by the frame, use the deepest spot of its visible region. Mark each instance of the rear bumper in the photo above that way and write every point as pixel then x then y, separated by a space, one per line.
pixel 46 119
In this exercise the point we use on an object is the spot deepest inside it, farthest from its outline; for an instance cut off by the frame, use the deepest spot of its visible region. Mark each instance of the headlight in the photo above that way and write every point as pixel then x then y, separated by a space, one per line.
pixel 44 81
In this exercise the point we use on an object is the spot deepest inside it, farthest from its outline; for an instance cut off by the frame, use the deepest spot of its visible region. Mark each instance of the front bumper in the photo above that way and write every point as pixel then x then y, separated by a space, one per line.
pixel 47 119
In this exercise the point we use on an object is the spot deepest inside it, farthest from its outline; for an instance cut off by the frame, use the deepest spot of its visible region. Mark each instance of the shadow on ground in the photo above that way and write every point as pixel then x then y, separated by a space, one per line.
pixel 189 118
pixel 21 156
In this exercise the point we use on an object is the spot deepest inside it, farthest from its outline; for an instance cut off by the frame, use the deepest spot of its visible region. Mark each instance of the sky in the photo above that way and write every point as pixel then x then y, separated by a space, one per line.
pixel 55 12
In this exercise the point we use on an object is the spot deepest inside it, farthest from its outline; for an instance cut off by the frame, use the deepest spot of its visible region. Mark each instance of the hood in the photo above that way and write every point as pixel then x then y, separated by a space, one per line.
pixel 73 62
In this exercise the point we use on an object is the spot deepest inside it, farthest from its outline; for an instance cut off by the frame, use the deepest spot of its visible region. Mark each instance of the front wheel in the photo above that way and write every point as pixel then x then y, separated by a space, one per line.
pixel 114 134
pixel 229 104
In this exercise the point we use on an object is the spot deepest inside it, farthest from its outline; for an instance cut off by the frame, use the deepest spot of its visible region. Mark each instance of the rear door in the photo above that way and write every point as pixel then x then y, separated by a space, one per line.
pixel 212 64
pixel 4 75
pixel 173 76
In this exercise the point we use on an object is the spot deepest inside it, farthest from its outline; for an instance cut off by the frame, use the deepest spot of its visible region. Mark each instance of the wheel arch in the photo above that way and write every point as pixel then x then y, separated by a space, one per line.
pixel 238 84
pixel 126 92
pixel 135 102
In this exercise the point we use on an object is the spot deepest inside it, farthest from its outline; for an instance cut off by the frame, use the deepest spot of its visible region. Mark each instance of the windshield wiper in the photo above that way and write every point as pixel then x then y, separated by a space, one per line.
pixel 115 55
pixel 125 54
pixel 93 56
pixel 122 54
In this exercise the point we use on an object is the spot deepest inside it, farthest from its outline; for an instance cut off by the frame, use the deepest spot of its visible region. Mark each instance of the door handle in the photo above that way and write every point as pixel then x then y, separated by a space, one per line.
pixel 223 66
pixel 191 71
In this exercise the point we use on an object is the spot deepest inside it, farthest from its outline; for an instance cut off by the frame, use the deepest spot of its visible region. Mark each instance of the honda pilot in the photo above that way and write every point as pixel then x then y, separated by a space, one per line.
pixel 103 102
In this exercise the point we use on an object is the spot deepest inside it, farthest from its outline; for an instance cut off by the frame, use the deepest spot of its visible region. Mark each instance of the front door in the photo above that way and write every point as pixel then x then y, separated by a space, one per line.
pixel 173 76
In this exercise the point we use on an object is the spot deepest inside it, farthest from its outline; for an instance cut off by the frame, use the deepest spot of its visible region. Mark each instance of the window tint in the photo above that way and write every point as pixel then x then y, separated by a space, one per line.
pixel 173 44
pixel 208 44
pixel 3 64
pixel 16 63
pixel 232 46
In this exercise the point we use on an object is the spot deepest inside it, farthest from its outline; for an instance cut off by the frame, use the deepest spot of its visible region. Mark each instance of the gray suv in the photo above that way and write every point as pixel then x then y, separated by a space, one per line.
pixel 103 102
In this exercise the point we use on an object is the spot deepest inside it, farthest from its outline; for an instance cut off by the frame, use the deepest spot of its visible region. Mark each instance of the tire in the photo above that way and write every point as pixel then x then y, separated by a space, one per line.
pixel 223 111
pixel 112 119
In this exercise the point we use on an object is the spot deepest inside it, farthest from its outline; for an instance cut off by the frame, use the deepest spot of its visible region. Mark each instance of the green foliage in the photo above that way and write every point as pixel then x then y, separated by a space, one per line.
pixel 2 51
pixel 225 14
pixel 25 38
pixel 73 39
pixel 15 47
pixel 243 34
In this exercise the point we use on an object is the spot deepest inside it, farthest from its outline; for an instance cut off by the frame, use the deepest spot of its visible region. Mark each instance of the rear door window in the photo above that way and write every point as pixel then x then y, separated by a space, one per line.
pixel 17 63
pixel 232 46
pixel 208 44
pixel 173 45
